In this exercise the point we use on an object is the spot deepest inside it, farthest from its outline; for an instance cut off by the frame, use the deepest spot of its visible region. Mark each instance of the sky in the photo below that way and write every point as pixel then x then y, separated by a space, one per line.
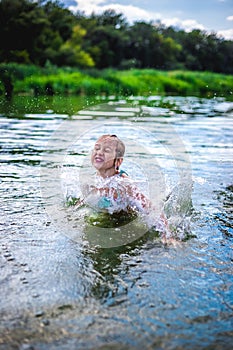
pixel 209 15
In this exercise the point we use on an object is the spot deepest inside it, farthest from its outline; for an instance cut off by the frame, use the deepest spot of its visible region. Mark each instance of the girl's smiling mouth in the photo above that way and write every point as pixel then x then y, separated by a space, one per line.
pixel 99 159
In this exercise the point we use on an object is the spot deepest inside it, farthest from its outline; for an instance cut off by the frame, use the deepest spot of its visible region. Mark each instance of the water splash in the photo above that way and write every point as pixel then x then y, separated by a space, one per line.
pixel 178 208
pixel 107 212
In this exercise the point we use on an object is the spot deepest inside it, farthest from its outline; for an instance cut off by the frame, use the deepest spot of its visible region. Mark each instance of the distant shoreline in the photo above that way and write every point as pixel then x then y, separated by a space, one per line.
pixel 36 81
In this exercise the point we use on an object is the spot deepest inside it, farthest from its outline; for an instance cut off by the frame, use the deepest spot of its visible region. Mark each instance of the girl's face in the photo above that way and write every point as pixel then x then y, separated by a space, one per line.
pixel 104 154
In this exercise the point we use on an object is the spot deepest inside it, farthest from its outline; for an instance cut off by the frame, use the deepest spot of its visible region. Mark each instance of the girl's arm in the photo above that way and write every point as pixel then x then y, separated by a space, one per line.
pixel 144 205
pixel 137 198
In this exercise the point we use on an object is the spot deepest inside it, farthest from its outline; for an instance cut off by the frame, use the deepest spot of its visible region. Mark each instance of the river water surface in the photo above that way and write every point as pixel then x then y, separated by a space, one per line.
pixel 61 291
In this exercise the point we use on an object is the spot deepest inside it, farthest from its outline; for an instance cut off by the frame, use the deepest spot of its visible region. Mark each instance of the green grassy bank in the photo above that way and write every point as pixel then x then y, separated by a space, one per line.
pixel 52 81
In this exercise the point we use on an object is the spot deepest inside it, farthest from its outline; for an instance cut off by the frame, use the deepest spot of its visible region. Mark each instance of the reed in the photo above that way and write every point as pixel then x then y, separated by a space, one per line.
pixel 51 80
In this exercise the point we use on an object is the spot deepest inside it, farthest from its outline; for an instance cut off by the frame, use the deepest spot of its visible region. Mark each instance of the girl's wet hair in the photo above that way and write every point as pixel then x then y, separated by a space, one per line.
pixel 120 147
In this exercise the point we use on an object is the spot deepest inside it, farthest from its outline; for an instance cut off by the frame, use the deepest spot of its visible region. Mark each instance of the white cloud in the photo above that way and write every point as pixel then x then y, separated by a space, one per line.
pixel 89 6
pixel 226 34
pixel 134 13
pixel 188 24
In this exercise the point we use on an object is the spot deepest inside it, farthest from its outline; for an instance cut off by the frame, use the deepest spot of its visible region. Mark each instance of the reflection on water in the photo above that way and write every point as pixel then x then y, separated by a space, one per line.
pixel 57 291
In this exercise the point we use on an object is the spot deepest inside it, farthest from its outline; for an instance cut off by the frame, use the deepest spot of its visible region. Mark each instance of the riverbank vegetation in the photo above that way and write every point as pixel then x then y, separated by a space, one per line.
pixel 50 80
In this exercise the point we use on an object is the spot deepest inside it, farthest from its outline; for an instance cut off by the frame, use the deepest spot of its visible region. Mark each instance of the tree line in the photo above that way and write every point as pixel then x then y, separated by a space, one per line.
pixel 38 32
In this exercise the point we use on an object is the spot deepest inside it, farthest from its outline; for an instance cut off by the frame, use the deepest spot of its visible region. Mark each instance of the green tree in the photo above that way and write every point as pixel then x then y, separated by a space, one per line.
pixel 201 51
pixel 112 19
pixel 61 20
pixel 58 29
pixel 21 22
pixel 107 38
pixel 225 54
pixel 33 31
pixel 40 31
pixel 150 48
pixel 71 52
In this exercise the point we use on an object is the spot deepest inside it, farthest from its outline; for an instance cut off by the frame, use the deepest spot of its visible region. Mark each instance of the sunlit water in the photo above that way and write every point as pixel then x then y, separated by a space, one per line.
pixel 61 291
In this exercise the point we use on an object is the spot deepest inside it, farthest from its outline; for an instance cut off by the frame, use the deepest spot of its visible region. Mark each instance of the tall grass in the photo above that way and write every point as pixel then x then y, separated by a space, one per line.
pixel 51 80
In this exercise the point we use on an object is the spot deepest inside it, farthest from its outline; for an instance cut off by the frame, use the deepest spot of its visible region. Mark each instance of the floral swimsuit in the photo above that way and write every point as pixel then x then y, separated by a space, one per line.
pixel 115 194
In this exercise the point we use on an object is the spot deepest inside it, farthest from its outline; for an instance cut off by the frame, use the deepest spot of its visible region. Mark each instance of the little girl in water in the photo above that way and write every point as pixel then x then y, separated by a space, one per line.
pixel 113 190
